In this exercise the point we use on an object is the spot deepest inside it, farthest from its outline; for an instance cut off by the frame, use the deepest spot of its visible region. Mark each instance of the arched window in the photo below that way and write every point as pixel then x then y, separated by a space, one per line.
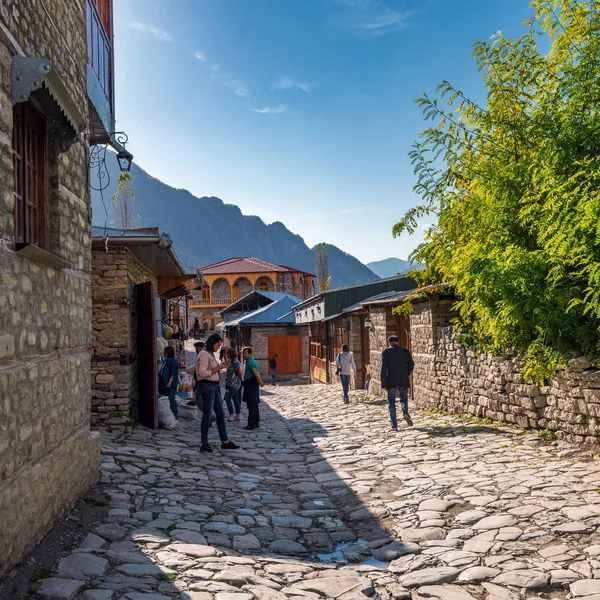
pixel 264 284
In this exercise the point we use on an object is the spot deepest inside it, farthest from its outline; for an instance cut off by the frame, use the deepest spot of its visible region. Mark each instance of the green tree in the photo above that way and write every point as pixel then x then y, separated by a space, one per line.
pixel 123 202
pixel 513 187
pixel 322 265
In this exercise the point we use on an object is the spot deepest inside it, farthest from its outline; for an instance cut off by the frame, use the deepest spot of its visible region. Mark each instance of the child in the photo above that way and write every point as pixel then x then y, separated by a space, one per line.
pixel 252 381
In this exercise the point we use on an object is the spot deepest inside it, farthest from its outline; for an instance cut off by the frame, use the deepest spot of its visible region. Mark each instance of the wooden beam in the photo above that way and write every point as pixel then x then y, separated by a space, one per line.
pixel 189 282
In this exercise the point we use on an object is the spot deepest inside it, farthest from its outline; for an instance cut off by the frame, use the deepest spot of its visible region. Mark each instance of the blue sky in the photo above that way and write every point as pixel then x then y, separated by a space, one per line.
pixel 298 111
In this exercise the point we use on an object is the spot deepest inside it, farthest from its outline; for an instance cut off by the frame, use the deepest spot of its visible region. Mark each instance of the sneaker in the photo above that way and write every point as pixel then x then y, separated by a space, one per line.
pixel 206 448
pixel 231 418
pixel 394 428
pixel 408 419
pixel 249 428
pixel 237 417
pixel 191 403
pixel 229 446
pixel 346 401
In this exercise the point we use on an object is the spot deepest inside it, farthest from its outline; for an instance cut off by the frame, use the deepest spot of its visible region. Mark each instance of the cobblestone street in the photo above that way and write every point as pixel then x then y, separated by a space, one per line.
pixel 448 509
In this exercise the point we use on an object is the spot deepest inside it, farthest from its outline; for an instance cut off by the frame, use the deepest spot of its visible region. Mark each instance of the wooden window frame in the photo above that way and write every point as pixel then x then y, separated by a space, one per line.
pixel 30 191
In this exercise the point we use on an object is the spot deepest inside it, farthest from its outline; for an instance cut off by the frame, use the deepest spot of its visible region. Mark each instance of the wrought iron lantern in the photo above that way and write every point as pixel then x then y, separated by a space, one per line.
pixel 124 158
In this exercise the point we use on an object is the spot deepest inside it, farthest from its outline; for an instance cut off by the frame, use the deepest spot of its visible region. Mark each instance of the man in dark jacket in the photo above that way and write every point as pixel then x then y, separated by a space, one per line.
pixel 396 366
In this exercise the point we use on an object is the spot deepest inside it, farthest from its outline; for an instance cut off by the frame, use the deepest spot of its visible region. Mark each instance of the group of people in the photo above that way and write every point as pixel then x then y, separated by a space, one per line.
pixel 243 385
pixel 211 360
pixel 396 368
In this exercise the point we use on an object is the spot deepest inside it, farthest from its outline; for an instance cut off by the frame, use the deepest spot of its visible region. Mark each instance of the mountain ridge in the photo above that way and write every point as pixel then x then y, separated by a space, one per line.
pixel 206 229
pixel 388 267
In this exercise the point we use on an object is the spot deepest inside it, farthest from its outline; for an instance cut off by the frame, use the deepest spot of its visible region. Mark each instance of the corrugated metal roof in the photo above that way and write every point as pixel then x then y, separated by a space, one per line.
pixel 278 311
pixel 253 300
pixel 246 264
pixel 338 299
pixel 101 232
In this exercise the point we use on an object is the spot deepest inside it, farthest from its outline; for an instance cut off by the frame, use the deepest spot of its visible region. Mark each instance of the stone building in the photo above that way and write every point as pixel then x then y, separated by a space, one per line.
pixel 51 90
pixel 340 316
pixel 265 321
pixel 456 379
pixel 227 281
pixel 134 274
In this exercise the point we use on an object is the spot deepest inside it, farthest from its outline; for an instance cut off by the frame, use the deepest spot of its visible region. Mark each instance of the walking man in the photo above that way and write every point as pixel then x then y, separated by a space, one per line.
pixel 345 367
pixel 273 362
pixel 396 366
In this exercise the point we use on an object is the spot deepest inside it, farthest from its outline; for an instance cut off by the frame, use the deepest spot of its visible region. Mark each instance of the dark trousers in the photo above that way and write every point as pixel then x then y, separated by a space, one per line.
pixel 403 393
pixel 210 393
pixel 252 400
pixel 233 400
pixel 253 415
pixel 345 385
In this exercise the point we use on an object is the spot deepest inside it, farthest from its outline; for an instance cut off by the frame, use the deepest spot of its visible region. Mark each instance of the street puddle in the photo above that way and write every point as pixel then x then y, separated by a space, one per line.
pixel 354 557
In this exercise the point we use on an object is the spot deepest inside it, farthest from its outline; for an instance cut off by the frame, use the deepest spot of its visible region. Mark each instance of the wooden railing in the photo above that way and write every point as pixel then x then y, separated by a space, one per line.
pixel 100 51
pixel 218 301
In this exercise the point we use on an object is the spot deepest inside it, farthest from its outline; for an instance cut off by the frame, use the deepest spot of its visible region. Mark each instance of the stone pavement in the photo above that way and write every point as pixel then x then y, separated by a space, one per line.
pixel 445 509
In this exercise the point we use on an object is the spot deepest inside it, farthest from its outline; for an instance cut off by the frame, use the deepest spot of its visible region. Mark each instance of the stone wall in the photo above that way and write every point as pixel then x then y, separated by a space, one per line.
pixel 47 453
pixel 260 346
pixel 115 273
pixel 450 377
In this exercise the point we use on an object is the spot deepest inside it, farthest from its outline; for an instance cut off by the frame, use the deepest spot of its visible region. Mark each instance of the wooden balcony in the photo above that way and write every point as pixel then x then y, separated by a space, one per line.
pixel 217 301
pixel 100 78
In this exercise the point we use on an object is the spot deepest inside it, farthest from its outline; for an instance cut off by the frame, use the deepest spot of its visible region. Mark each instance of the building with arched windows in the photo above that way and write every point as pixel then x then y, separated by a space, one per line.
pixel 227 281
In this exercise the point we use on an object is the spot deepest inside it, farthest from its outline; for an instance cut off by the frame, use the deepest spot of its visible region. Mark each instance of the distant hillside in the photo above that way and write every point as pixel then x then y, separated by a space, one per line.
pixel 206 230
pixel 389 267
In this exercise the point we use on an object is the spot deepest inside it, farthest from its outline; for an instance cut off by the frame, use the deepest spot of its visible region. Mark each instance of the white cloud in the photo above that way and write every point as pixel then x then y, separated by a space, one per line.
pixel 214 67
pixel 287 83
pixel 235 86
pixel 159 34
pixel 270 110
pixel 200 56
pixel 371 17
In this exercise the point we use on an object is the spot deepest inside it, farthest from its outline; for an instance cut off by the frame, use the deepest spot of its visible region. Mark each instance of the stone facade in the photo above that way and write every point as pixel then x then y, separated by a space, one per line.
pixel 115 273
pixel 452 378
pixel 47 453
pixel 260 346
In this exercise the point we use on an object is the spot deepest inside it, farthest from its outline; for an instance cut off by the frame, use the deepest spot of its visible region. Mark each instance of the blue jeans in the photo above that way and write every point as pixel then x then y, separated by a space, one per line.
pixel 403 393
pixel 172 394
pixel 210 393
pixel 233 399
pixel 273 376
pixel 345 385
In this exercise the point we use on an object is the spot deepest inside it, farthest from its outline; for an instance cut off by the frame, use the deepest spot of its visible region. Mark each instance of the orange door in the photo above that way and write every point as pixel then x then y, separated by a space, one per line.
pixel 289 351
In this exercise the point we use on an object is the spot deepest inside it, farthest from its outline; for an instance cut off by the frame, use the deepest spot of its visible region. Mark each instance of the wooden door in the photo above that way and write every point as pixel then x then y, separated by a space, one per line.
pixel 146 356
pixel 403 330
pixel 289 351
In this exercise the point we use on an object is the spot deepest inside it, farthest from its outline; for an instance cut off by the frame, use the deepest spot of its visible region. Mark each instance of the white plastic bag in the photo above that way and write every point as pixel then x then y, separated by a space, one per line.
pixel 186 411
pixel 166 418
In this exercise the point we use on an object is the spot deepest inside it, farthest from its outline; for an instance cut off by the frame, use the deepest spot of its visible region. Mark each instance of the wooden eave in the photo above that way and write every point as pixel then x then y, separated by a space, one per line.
pixel 172 287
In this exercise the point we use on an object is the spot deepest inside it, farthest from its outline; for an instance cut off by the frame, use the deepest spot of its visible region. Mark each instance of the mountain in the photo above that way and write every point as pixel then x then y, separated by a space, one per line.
pixel 389 267
pixel 206 230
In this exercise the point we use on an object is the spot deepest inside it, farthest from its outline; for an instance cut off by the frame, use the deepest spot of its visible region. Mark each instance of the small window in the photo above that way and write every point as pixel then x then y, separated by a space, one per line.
pixel 29 163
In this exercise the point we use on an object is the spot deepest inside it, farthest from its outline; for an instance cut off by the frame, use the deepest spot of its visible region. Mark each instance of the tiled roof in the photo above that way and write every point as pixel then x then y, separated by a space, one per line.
pixel 245 265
